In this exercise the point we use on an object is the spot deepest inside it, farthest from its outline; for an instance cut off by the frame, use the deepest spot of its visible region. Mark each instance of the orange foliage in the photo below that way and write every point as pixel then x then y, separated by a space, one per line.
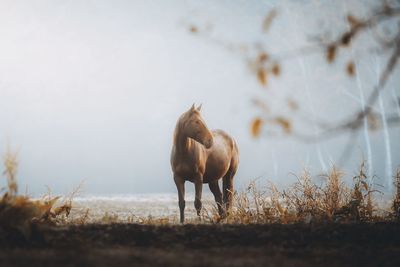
pixel 256 127
pixel 331 53
pixel 193 29
pixel 262 57
pixel 269 19
pixel 262 76
pixel 276 69
pixel 350 68
pixel 292 104
pixel 352 20
pixel 284 123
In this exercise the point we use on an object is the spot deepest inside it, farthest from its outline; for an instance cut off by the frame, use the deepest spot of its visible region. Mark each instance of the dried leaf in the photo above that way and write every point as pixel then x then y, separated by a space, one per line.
pixel 350 68
pixel 256 127
pixel 331 53
pixel 346 38
pixel 352 21
pixel 262 76
pixel 261 104
pixel 269 19
pixel 193 29
pixel 276 69
pixel 262 57
pixel 292 104
pixel 284 123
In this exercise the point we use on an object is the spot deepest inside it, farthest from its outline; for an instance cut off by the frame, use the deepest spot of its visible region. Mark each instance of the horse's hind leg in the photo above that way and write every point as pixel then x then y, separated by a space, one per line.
pixel 214 187
pixel 228 178
pixel 227 184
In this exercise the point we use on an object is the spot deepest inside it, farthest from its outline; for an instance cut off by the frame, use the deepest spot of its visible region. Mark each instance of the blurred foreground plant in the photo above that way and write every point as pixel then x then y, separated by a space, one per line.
pixel 18 212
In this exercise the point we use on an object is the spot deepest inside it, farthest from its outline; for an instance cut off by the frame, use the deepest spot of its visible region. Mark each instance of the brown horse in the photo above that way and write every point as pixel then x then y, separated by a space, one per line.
pixel 203 156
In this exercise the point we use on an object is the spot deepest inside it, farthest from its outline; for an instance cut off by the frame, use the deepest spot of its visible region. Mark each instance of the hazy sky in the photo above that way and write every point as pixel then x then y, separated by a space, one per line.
pixel 91 90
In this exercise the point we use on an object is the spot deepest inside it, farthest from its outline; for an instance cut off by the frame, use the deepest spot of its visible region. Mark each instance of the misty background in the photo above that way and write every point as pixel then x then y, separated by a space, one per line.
pixel 91 90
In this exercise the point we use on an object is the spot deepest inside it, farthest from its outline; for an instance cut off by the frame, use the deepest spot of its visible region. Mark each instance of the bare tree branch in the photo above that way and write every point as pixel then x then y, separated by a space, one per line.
pixel 264 64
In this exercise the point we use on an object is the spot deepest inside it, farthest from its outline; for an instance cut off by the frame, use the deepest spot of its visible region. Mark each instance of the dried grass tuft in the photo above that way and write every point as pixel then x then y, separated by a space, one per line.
pixel 396 200
pixel 18 212
pixel 307 201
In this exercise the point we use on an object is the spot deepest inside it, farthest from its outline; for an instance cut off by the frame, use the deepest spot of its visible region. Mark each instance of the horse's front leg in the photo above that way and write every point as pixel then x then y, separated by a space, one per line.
pixel 198 186
pixel 180 185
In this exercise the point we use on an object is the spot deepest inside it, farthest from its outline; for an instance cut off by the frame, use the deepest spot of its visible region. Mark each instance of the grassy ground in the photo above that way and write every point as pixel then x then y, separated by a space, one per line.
pixel 371 244
pixel 314 222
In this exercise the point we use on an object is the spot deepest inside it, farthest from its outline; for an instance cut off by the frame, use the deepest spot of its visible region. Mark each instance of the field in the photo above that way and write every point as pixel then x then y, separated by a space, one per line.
pixel 371 244
pixel 314 222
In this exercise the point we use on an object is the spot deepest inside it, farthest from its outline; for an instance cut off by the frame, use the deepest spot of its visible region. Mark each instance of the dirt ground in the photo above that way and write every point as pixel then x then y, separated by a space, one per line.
pixel 204 245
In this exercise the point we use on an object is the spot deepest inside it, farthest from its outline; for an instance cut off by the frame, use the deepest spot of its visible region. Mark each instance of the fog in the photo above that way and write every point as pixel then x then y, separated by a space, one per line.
pixel 91 90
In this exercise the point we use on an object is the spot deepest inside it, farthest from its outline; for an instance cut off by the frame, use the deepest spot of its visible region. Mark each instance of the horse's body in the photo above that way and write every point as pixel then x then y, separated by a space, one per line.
pixel 203 156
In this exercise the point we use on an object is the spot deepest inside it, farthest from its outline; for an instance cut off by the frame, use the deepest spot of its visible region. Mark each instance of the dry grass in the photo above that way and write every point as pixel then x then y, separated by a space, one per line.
pixel 320 199
pixel 324 198
pixel 329 200
pixel 396 199
pixel 10 171
pixel 18 212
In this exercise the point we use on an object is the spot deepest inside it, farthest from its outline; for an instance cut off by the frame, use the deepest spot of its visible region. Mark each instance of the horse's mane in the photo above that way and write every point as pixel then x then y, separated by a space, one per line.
pixel 179 127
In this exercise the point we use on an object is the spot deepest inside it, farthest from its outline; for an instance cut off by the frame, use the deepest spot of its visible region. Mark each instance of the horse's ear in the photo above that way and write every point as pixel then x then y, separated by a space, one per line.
pixel 199 107
pixel 192 108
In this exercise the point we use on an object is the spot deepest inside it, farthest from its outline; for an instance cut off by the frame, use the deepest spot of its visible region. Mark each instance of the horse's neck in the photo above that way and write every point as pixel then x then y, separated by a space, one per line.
pixel 183 144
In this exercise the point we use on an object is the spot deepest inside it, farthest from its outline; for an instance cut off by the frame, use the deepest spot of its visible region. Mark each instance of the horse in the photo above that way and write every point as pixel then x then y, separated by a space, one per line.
pixel 202 156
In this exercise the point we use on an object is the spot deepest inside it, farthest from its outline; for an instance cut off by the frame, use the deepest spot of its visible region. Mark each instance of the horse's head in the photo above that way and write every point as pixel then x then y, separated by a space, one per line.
pixel 196 128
